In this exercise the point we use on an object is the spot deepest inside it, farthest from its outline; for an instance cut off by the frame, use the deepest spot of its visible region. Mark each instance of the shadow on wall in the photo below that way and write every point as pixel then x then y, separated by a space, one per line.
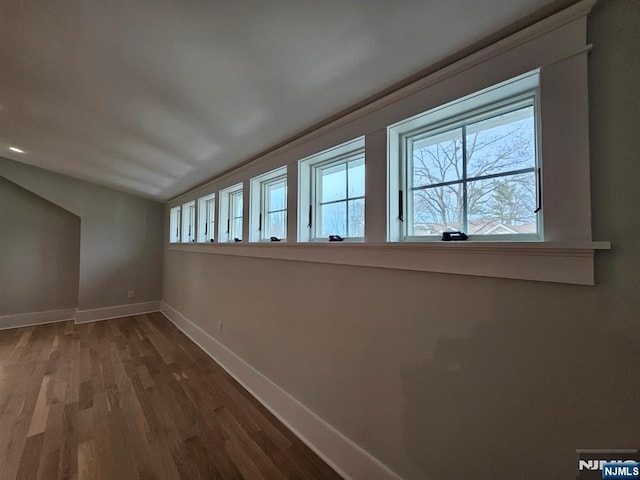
pixel 520 395
pixel 39 253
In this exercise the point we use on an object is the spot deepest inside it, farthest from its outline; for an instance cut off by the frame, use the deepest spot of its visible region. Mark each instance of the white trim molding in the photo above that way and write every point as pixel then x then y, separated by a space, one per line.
pixel 556 48
pixel 554 262
pixel 107 313
pixel 343 455
pixel 36 318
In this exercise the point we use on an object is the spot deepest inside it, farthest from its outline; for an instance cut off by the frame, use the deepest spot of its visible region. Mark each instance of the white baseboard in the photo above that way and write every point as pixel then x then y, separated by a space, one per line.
pixel 342 454
pixel 106 313
pixel 36 318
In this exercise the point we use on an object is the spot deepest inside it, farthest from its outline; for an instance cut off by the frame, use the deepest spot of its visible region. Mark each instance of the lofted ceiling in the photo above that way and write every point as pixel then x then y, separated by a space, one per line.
pixel 154 97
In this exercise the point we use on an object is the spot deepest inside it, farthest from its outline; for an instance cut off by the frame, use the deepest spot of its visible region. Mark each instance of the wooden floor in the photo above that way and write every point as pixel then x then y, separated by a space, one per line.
pixel 133 398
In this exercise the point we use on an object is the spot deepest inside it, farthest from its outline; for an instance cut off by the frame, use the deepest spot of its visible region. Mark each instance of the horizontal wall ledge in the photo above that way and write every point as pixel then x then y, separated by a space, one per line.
pixel 556 262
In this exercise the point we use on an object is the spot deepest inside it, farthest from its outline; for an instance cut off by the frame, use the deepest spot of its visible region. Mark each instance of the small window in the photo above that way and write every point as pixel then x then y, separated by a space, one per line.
pixel 206 218
pixel 189 222
pixel 475 171
pixel 231 211
pixel 332 193
pixel 269 206
pixel 174 225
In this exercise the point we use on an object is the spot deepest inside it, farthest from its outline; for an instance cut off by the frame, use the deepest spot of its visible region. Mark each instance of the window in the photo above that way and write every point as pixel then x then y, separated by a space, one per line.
pixel 231 210
pixel 174 225
pixel 189 222
pixel 472 166
pixel 206 218
pixel 332 190
pixel 269 206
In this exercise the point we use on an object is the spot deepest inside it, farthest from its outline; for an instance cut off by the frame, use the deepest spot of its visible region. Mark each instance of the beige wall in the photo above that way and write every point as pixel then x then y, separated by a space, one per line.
pixel 449 377
pixel 121 235
pixel 39 253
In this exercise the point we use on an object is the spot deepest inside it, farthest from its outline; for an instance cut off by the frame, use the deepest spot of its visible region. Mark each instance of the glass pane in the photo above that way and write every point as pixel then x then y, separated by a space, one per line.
pixel 503 205
pixel 501 144
pixel 277 196
pixel 437 209
pixel 356 178
pixel 333 183
pixel 237 229
pixel 211 232
pixel 174 227
pixel 211 207
pixel 356 218
pixel 277 225
pixel 188 219
pixel 333 219
pixel 237 204
pixel 437 158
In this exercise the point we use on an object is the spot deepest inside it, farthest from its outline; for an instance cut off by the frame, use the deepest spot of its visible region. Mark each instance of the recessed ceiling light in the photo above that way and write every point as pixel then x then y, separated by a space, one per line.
pixel 16 149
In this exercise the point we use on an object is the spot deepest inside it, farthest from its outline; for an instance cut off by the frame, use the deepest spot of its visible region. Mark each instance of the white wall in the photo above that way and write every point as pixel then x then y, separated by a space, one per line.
pixel 445 377
pixel 121 235
pixel 39 253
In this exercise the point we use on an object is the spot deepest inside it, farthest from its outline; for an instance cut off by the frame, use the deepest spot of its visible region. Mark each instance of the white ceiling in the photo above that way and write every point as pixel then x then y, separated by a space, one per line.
pixel 154 97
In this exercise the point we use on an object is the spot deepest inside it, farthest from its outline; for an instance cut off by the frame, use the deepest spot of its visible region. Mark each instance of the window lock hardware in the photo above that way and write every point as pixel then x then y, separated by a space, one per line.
pixel 454 236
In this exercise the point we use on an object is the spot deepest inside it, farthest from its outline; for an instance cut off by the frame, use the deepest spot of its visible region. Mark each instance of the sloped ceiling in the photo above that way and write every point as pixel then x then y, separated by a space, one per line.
pixel 154 97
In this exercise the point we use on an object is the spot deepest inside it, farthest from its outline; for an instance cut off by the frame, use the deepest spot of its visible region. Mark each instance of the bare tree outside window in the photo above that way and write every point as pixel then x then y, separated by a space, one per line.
pixel 341 205
pixel 478 177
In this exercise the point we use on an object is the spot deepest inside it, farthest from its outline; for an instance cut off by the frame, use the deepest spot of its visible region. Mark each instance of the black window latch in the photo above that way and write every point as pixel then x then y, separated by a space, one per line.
pixel 454 236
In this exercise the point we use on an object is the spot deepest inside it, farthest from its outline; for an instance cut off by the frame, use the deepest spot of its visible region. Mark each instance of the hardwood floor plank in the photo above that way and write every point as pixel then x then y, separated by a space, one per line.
pixel 88 465
pixel 134 398
pixel 41 412
pixel 31 457
pixel 144 376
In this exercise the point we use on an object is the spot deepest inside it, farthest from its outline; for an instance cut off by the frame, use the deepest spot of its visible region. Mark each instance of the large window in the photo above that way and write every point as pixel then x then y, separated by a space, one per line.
pixel 231 212
pixel 174 225
pixel 206 218
pixel 189 222
pixel 269 206
pixel 332 185
pixel 472 167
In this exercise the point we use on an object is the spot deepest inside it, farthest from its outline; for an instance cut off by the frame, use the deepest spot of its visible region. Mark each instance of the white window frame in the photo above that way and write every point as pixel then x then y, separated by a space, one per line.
pixel 227 232
pixel 189 222
pixel 557 48
pixel 175 224
pixel 521 90
pixel 207 218
pixel 309 170
pixel 259 205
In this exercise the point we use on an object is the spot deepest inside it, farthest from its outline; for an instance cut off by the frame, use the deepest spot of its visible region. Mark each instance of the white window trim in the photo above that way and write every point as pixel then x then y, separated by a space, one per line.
pixel 226 233
pixel 556 46
pixel 519 89
pixel 307 182
pixel 258 203
pixel 188 213
pixel 536 261
pixel 202 212
pixel 175 237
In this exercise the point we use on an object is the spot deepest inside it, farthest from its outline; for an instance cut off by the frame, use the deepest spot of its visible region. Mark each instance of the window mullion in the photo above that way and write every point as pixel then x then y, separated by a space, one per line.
pixel 465 210
pixel 346 209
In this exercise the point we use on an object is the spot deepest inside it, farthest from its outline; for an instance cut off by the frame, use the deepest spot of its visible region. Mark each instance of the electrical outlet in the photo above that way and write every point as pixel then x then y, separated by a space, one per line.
pixel 219 326
pixel 131 294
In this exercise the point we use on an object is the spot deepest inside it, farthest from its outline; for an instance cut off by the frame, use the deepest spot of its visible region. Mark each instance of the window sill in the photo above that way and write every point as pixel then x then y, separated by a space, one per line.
pixel 537 261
